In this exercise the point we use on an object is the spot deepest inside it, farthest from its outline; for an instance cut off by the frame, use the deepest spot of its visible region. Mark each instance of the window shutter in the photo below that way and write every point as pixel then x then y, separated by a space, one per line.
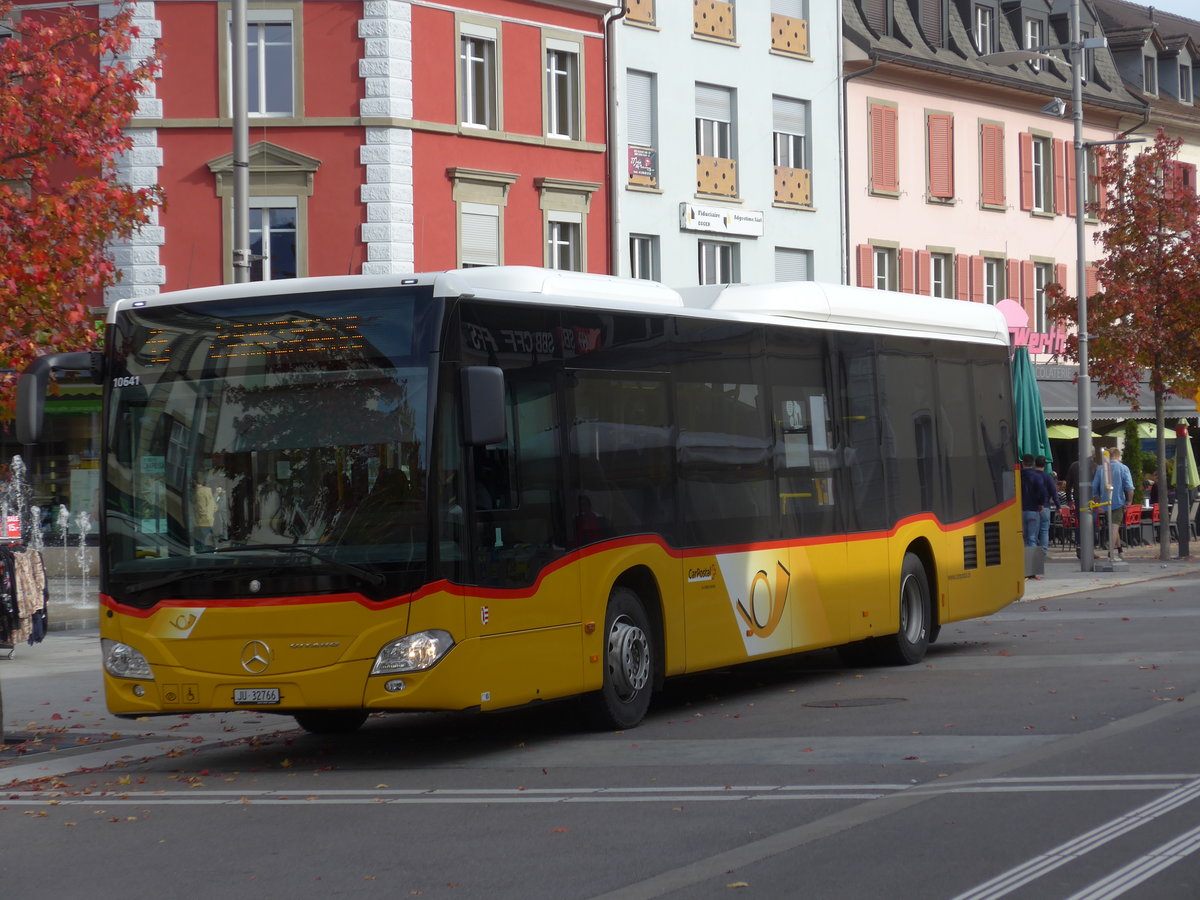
pixel 865 266
pixel 793 9
pixel 1101 193
pixel 1025 152
pixel 789 115
pixel 977 288
pixel 992 164
pixel 941 155
pixel 1060 275
pixel 1058 158
pixel 480 234
pixel 1068 165
pixel 791 265
pixel 875 13
pixel 639 89
pixel 907 273
pixel 884 176
pixel 925 272
pixel 713 102
pixel 962 276
pixel 932 25
pixel 1093 281
pixel 1187 172
pixel 1027 289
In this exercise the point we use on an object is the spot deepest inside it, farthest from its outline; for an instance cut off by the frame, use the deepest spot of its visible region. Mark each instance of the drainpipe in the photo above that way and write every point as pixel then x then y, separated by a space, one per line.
pixel 612 74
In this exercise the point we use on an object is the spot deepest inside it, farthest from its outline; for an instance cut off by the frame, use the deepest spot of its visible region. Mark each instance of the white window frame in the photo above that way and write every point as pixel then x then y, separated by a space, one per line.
pixel 1035 37
pixel 263 205
pixel 941 274
pixel 1042 164
pixel 478 61
pixel 993 280
pixel 563 97
pixel 1043 274
pixel 790 120
pixel 718 261
pixel 564 236
pixel 885 274
pixel 1150 75
pixel 983 27
pixel 1186 85
pixel 714 136
pixel 644 256
pixel 258 63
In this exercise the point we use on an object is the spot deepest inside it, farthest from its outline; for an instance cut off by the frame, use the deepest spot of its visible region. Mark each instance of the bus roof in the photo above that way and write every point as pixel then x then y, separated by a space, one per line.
pixel 827 305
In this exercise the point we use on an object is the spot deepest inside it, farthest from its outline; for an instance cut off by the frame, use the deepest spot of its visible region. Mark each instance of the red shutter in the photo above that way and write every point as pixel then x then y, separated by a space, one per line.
pixel 865 266
pixel 941 155
pixel 1068 164
pixel 977 292
pixel 1060 274
pixel 1093 281
pixel 924 272
pixel 1187 174
pixel 962 276
pixel 1012 279
pixel 1027 289
pixel 1057 157
pixel 884 173
pixel 991 164
pixel 1171 179
pixel 907 273
pixel 1101 193
pixel 1025 152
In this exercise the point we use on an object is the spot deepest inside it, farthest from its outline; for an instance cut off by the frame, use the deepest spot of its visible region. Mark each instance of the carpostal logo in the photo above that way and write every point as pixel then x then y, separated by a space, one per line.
pixel 700 573
pixel 760 606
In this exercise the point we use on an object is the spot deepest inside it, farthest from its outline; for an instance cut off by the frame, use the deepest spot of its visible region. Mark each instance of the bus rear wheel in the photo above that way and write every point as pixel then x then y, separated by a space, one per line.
pixel 628 663
pixel 331 721
pixel 908 645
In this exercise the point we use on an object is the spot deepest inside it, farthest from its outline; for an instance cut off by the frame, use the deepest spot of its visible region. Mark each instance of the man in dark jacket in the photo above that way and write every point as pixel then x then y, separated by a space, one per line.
pixel 1034 498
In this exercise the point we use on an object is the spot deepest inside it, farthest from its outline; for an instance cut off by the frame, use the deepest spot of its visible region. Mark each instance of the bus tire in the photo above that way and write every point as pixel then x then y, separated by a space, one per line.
pixel 331 721
pixel 628 656
pixel 908 645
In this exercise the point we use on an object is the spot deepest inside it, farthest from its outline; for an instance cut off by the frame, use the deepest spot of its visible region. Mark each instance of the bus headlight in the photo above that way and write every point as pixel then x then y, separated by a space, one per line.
pixel 123 661
pixel 413 652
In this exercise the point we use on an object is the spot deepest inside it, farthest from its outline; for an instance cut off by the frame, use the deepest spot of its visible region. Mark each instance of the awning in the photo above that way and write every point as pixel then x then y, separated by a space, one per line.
pixel 1060 399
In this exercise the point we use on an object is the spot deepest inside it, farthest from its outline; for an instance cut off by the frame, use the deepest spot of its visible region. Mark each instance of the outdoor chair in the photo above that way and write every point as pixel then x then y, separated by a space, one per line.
pixel 1067 523
pixel 1131 528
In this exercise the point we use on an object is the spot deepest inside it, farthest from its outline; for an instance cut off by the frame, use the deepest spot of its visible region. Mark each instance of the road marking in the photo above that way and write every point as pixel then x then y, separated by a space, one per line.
pixel 1019 876
pixel 1133 874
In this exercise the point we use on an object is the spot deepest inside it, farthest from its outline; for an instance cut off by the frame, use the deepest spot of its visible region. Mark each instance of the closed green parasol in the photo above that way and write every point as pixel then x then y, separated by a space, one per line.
pixel 1027 401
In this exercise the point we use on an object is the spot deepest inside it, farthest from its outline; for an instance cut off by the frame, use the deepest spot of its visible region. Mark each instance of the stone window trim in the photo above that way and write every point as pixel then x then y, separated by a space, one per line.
pixel 275 10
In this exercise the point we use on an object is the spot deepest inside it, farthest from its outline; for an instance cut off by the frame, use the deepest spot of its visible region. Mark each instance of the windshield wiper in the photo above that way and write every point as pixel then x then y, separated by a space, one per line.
pixel 362 574
pixel 183 575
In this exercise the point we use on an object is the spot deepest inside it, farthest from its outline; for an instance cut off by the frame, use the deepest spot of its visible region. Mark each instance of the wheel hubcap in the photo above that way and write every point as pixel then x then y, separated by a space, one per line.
pixel 912 624
pixel 628 658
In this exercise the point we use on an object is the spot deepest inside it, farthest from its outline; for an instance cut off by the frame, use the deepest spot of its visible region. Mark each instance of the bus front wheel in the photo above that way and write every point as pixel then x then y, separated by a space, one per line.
pixel 628 662
pixel 909 644
pixel 331 721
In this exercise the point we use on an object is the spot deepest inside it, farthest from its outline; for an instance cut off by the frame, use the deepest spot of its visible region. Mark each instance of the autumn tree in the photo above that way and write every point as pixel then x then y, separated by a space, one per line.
pixel 65 101
pixel 1145 316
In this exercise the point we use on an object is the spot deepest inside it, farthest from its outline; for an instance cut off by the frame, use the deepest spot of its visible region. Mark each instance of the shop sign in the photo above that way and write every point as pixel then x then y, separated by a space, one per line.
pixel 722 220
pixel 643 162
pixel 12 528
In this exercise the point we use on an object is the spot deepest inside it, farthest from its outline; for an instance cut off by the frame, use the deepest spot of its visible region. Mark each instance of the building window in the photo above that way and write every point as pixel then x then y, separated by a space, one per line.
pixel 479 234
pixel 642 124
pixel 993 280
pixel 718 262
pixel 793 265
pixel 933 22
pixel 1150 75
pixel 714 20
pixel 1043 175
pixel 1089 56
pixel 481 197
pixel 789 27
pixel 478 90
pixel 1043 274
pixel 273 231
pixel 565 206
pixel 939 149
pixel 884 274
pixel 791 132
pixel 563 89
pixel 991 165
pixel 716 166
pixel 643 256
pixel 1091 175
pixel 1185 84
pixel 884 175
pixel 274 69
pixel 564 241
pixel 941 274
pixel 1035 37
pixel 984 22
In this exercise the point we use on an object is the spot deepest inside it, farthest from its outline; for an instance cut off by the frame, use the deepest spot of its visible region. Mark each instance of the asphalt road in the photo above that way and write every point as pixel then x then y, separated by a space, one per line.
pixel 1050 751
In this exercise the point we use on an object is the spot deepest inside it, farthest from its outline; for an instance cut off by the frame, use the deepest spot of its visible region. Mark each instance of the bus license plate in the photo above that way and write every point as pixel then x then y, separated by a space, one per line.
pixel 255 696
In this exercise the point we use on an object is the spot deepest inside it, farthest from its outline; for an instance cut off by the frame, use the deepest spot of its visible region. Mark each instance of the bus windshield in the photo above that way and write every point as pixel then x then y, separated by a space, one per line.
pixel 283 434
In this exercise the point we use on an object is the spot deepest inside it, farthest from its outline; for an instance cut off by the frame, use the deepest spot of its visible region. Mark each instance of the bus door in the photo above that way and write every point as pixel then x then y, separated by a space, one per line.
pixel 806 462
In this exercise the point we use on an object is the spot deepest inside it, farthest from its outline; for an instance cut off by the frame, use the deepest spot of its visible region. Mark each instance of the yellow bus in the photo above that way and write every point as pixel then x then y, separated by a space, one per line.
pixel 482 488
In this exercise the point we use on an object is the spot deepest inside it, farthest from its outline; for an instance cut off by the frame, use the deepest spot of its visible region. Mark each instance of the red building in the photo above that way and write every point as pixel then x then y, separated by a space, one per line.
pixel 386 136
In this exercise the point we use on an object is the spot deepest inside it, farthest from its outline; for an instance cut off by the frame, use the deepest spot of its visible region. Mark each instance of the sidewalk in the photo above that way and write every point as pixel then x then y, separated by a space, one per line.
pixel 1063 575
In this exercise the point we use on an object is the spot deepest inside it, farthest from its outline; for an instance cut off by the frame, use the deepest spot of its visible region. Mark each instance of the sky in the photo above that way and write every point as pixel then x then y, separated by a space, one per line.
pixel 1187 8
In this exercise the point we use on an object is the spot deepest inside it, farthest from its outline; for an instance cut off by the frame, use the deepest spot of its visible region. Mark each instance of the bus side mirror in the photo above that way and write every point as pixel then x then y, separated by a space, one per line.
pixel 483 406
pixel 31 388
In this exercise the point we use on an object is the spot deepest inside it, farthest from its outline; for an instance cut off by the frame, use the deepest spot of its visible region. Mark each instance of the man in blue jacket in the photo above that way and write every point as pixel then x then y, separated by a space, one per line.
pixel 1113 484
